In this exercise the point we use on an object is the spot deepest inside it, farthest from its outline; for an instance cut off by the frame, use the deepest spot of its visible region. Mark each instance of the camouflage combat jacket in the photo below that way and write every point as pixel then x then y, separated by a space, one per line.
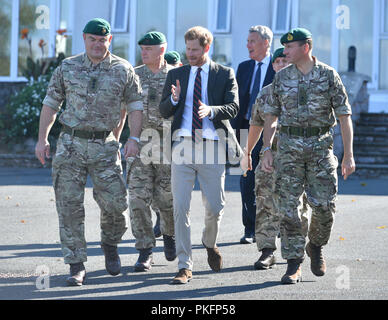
pixel 95 94
pixel 257 118
pixel 152 85
pixel 312 100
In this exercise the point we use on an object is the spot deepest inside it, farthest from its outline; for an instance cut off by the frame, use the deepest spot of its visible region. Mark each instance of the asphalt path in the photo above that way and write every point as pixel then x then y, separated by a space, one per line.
pixel 32 268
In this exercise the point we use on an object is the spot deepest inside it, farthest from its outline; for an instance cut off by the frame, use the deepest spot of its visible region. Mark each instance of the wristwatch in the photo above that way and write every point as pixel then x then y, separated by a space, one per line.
pixel 134 138
pixel 264 150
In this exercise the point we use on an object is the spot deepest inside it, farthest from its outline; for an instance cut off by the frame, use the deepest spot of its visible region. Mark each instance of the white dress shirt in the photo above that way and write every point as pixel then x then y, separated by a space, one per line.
pixel 208 129
pixel 264 67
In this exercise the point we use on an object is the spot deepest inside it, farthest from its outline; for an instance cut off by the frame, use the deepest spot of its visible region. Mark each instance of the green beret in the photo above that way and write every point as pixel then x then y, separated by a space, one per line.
pixel 152 38
pixel 98 27
pixel 278 54
pixel 172 57
pixel 296 34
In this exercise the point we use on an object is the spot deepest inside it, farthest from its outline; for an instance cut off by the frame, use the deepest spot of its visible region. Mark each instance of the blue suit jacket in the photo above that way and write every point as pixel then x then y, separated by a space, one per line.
pixel 244 77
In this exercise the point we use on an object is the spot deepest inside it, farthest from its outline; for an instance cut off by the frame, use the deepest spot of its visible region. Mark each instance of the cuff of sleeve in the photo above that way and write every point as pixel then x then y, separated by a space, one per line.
pixel 134 106
pixel 52 103
pixel 211 116
pixel 342 111
pixel 272 111
pixel 256 123
pixel 173 102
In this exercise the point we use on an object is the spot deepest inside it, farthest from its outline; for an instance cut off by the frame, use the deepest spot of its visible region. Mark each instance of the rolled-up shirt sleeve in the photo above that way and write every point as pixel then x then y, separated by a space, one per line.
pixel 272 104
pixel 339 96
pixel 132 99
pixel 55 91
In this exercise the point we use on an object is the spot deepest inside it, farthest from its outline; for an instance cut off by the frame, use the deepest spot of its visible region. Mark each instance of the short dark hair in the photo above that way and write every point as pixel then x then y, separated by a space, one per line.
pixel 309 42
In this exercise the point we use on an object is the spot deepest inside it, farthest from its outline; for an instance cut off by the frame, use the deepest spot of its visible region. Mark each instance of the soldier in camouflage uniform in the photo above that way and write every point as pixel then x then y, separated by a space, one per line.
pixel 307 96
pixel 95 84
pixel 149 182
pixel 267 222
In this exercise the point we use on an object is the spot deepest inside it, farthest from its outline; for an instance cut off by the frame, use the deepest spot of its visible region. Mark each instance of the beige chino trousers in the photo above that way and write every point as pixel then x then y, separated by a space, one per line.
pixel 205 162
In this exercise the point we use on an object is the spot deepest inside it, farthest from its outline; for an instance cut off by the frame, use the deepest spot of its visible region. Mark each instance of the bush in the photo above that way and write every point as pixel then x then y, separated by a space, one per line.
pixel 21 118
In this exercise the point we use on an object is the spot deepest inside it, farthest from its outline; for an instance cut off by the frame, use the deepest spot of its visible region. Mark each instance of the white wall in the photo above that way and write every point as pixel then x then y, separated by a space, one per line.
pixel 84 11
pixel 248 13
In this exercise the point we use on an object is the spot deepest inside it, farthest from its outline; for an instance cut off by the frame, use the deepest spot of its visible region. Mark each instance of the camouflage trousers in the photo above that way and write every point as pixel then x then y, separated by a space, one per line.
pixel 305 165
pixel 74 160
pixel 149 186
pixel 267 223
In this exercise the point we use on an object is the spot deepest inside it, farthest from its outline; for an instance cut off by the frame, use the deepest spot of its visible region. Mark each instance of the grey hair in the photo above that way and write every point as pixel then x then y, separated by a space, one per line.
pixel 264 32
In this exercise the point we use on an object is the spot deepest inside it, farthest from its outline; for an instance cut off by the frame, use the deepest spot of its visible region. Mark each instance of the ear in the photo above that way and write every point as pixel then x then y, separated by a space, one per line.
pixel 110 39
pixel 207 48
pixel 84 36
pixel 306 48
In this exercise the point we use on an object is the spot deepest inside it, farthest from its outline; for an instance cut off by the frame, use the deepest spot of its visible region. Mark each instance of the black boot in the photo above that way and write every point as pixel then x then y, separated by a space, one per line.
pixel 293 274
pixel 267 259
pixel 169 247
pixel 112 259
pixel 77 274
pixel 144 261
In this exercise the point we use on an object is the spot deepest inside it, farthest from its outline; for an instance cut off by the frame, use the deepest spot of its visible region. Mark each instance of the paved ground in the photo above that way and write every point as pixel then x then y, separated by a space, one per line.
pixel 357 255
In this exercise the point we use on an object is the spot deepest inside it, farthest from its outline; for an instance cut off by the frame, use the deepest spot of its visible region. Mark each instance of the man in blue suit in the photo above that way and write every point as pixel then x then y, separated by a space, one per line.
pixel 252 75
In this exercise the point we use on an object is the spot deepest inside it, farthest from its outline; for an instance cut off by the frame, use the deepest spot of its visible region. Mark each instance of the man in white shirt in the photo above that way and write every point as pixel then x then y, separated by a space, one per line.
pixel 202 97
pixel 252 75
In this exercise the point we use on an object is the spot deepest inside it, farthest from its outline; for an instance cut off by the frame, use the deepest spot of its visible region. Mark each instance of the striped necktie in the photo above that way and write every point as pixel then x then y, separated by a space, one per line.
pixel 196 132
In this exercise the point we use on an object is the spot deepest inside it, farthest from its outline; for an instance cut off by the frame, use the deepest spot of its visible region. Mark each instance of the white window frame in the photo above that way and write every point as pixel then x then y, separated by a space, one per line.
pixel 380 34
pixel 54 24
pixel 228 17
pixel 113 17
pixel 274 18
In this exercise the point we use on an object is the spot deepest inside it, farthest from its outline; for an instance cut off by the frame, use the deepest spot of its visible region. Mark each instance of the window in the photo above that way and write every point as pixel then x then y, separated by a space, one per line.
pixel 198 17
pixel 281 16
pixel 383 44
pixel 360 35
pixel 152 15
pixel 5 36
pixel 385 17
pixel 120 16
pixel 317 19
pixel 222 19
pixel 222 50
pixel 64 32
pixel 120 22
pixel 29 28
pixel 383 65
pixel 34 36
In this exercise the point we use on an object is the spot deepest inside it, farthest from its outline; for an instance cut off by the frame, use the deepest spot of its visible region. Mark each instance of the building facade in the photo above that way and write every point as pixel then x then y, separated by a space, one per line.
pixel 43 28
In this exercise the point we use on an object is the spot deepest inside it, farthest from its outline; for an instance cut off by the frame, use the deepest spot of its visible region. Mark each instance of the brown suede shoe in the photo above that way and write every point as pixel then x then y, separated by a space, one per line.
pixel 318 264
pixel 214 258
pixel 293 274
pixel 183 276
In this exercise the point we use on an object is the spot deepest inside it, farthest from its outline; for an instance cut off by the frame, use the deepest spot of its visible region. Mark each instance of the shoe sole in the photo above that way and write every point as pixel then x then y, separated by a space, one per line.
pixel 71 283
pixel 142 269
pixel 178 282
pixel 289 281
pixel 262 267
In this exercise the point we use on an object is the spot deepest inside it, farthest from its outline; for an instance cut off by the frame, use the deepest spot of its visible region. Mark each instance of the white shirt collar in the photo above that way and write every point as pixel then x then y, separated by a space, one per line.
pixel 204 67
pixel 265 61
